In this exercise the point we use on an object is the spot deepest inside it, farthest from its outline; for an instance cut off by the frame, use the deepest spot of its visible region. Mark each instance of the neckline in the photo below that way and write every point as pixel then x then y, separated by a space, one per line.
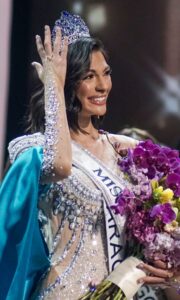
pixel 95 158
pixel 101 133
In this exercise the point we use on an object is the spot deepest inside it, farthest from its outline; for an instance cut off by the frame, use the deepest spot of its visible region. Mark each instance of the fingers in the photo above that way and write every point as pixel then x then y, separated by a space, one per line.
pixel 152 280
pixel 64 49
pixel 47 41
pixel 46 50
pixel 40 48
pixel 57 42
pixel 156 271
pixel 160 264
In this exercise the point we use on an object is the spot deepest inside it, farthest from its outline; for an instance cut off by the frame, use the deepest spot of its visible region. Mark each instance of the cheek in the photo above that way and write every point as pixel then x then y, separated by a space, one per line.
pixel 83 91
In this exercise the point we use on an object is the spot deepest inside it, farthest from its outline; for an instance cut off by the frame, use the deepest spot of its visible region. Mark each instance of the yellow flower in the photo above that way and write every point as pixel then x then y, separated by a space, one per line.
pixel 159 189
pixel 154 184
pixel 166 196
pixel 157 193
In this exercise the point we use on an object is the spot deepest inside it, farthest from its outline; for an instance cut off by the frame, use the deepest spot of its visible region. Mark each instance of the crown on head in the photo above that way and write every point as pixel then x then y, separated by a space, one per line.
pixel 72 26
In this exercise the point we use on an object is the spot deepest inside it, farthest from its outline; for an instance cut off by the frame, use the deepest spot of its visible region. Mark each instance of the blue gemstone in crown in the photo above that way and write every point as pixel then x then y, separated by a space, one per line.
pixel 71 26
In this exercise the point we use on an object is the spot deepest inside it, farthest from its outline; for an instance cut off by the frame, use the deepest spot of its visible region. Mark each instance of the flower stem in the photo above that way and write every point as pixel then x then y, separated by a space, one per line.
pixel 105 291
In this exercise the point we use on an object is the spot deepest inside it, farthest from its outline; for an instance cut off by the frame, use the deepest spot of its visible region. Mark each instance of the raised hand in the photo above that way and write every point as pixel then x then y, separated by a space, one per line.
pixel 53 57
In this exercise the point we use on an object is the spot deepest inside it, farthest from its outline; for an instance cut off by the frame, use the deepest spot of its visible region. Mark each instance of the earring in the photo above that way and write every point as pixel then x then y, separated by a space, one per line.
pixel 98 117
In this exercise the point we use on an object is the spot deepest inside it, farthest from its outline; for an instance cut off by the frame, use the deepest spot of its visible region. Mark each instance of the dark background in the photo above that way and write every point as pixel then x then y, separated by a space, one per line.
pixel 143 41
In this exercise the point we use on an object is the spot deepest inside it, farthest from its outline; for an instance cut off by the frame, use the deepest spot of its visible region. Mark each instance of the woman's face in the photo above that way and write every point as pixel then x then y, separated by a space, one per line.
pixel 94 88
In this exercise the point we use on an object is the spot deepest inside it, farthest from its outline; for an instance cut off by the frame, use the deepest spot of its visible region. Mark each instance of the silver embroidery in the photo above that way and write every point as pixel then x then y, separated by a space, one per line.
pixel 81 207
pixel 21 144
pixel 51 131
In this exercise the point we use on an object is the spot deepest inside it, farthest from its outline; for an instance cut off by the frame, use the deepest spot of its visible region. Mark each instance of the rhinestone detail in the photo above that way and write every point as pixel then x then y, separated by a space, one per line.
pixel 51 131
pixel 72 26
pixel 23 143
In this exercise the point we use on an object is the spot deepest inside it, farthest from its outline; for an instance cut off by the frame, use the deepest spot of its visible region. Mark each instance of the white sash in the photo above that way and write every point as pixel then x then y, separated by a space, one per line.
pixel 110 185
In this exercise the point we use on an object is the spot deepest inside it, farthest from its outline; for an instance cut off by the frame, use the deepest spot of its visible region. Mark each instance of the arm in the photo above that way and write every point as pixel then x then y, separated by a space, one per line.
pixel 57 159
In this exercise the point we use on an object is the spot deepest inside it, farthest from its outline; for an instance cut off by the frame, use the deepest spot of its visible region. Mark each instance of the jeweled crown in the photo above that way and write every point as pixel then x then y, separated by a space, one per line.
pixel 71 26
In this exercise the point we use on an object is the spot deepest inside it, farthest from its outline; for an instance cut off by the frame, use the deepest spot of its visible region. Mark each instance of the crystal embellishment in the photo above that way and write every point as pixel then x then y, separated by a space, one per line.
pixel 72 26
pixel 81 206
pixel 51 131
pixel 23 143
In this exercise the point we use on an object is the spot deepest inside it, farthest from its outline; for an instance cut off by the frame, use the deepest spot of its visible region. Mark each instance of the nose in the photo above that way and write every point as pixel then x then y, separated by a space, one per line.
pixel 102 84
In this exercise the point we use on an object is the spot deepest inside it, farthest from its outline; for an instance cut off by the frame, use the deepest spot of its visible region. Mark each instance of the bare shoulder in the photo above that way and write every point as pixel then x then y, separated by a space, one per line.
pixel 123 141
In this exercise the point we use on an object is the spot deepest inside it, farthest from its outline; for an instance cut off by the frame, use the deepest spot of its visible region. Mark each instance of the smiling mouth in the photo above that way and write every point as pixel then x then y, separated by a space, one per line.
pixel 98 100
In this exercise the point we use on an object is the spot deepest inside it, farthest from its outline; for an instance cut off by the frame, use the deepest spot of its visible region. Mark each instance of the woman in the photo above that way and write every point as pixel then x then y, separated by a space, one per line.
pixel 71 169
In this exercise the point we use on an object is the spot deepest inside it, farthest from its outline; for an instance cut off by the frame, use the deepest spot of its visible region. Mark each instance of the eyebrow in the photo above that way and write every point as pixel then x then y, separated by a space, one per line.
pixel 94 71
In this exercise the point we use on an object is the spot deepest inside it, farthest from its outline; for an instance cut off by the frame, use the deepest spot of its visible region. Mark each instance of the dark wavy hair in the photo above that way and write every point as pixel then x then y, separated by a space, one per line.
pixel 78 63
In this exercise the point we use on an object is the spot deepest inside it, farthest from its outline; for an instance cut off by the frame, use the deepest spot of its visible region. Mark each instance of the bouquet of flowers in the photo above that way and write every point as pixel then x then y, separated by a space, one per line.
pixel 151 203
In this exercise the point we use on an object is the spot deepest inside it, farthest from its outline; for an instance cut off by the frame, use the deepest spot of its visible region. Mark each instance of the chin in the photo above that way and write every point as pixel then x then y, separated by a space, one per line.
pixel 99 112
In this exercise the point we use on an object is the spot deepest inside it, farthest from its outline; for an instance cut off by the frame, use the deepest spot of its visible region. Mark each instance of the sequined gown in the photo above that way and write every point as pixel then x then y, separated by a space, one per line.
pixel 72 222
pixel 71 219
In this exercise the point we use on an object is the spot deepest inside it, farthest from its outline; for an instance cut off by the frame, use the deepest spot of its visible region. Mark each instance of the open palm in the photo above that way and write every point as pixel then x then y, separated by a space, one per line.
pixel 53 57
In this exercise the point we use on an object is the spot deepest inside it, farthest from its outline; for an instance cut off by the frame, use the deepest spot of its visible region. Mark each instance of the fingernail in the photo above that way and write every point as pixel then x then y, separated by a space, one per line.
pixel 46 27
pixel 140 281
pixel 169 266
pixel 170 275
pixel 37 36
pixel 140 266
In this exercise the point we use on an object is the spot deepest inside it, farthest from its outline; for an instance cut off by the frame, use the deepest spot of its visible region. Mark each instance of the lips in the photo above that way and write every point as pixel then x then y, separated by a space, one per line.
pixel 100 100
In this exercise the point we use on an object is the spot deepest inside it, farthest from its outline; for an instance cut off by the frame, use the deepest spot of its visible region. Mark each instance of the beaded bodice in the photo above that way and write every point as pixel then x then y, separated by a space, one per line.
pixel 72 223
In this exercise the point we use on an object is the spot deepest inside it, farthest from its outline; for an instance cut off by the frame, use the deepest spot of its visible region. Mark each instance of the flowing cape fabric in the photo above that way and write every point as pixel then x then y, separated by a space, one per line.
pixel 23 255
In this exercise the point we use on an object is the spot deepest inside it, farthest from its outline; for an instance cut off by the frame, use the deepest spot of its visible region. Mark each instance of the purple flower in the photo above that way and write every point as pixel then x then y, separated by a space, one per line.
pixel 153 155
pixel 148 145
pixel 162 247
pixel 140 157
pixel 176 234
pixel 124 202
pixel 175 165
pixel 151 173
pixel 164 212
pixel 126 162
pixel 162 163
pixel 140 226
pixel 173 182
pixel 170 153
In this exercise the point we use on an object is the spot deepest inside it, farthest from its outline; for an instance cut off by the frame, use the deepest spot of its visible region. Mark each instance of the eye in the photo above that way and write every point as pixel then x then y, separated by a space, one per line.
pixel 88 76
pixel 108 72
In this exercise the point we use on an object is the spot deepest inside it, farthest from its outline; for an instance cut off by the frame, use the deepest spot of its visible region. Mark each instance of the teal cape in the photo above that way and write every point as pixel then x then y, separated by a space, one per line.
pixel 23 253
